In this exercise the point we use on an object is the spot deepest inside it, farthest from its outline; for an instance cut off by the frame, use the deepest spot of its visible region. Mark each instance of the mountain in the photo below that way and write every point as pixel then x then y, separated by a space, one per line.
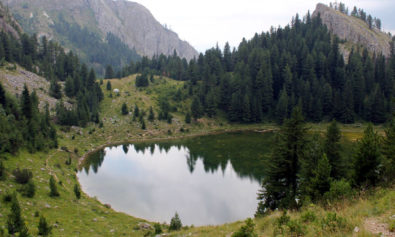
pixel 354 30
pixel 8 23
pixel 89 27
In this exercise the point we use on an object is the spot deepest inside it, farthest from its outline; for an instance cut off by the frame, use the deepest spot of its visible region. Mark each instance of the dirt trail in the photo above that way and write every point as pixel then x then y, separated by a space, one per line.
pixel 375 226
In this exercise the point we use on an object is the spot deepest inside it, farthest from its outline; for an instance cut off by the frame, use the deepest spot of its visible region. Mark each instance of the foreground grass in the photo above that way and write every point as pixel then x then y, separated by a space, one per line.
pixel 89 217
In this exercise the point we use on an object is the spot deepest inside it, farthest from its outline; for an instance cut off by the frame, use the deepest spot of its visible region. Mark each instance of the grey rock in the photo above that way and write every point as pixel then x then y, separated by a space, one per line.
pixel 354 30
pixel 144 226
pixel 131 22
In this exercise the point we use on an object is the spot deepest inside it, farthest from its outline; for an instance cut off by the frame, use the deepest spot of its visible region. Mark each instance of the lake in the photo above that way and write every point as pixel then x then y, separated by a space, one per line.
pixel 207 180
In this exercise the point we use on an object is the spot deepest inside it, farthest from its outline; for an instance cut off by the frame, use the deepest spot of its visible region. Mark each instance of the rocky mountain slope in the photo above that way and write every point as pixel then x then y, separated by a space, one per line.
pixel 129 21
pixel 353 30
pixel 8 23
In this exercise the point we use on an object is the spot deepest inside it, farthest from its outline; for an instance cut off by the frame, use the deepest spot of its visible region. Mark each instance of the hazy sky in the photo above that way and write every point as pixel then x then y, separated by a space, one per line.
pixel 205 23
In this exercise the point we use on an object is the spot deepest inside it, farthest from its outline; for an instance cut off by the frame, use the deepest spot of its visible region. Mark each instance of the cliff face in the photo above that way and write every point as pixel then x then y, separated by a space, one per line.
pixel 8 23
pixel 353 30
pixel 130 21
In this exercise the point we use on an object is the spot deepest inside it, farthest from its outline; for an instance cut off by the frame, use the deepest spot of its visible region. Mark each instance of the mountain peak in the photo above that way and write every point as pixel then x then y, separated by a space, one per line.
pixel 354 30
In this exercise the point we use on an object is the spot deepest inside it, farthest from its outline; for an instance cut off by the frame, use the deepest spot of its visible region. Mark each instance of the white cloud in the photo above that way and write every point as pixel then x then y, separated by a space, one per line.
pixel 206 22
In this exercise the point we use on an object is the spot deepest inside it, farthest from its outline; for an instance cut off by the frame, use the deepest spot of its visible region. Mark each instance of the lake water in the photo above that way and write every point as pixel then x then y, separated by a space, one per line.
pixel 208 180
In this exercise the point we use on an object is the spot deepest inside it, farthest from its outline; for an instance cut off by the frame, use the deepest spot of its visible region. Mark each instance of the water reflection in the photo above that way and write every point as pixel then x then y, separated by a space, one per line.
pixel 207 180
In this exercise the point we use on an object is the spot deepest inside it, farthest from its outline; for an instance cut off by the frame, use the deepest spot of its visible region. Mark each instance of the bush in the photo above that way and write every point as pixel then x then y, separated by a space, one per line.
pixel 175 223
pixel 7 197
pixel 247 230
pixel 158 228
pixel 333 223
pixel 22 176
pixel 295 228
pixel 29 189
pixel 308 216
pixel 339 189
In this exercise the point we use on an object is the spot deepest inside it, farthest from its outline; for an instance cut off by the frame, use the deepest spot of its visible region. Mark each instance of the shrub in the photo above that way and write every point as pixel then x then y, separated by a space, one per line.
pixel 22 176
pixel 158 228
pixel 175 223
pixel 29 189
pixel 247 230
pixel 7 197
pixel 308 216
pixel 295 228
pixel 339 189
pixel 333 223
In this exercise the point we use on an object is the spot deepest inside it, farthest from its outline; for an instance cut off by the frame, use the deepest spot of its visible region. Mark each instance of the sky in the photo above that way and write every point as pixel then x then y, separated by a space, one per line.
pixel 205 23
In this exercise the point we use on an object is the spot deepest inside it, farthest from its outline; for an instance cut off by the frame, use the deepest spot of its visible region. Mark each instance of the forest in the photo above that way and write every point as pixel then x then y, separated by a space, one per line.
pixel 300 64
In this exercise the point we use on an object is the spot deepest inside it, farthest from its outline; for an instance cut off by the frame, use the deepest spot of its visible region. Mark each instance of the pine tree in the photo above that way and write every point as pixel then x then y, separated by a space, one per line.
pixel 43 228
pixel 2 96
pixel 27 109
pixel 77 191
pixel 53 188
pixel 322 177
pixel 175 223
pixel 280 186
pixel 108 86
pixel 367 158
pixel 124 109
pixel 15 221
pixel 188 118
pixel 196 108
pixel 332 149
pixel 151 115
pixel 282 107
pixel 389 151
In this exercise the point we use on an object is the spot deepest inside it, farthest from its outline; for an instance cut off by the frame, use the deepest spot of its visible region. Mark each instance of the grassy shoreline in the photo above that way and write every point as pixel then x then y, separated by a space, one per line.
pixel 89 217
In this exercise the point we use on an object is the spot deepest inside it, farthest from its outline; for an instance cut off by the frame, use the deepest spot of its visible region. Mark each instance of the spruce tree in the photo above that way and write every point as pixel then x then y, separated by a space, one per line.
pixel 53 188
pixel 2 96
pixel 108 86
pixel 77 191
pixel 15 221
pixel 280 185
pixel 43 227
pixel 109 72
pixel 367 158
pixel 188 118
pixel 175 223
pixel 332 149
pixel 196 108
pixel 124 109
pixel 27 109
pixel 389 151
pixel 151 115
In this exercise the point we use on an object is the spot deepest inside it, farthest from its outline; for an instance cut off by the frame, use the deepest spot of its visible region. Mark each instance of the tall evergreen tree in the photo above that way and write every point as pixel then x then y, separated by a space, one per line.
pixel 26 105
pixel 15 221
pixel 280 185
pixel 332 149
pixel 367 158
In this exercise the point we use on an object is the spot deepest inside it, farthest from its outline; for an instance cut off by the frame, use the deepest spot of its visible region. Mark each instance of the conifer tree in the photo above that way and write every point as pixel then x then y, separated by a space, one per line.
pixel 108 86
pixel 332 149
pixel 77 191
pixel 389 151
pixel 280 186
pixel 367 158
pixel 53 188
pixel 151 115
pixel 188 118
pixel 124 109
pixel 15 221
pixel 175 223
pixel 196 108
pixel 27 109
pixel 109 72
pixel 43 227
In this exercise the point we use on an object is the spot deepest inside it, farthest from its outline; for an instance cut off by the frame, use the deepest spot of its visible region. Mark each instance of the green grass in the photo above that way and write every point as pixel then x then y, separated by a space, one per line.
pixel 89 217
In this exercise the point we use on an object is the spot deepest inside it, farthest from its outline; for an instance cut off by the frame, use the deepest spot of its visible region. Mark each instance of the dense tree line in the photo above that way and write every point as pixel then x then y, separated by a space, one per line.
pixel 99 53
pixel 273 72
pixel 23 125
pixel 305 168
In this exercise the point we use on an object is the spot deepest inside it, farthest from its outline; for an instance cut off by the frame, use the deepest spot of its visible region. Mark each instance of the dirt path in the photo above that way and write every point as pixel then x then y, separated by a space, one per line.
pixel 374 226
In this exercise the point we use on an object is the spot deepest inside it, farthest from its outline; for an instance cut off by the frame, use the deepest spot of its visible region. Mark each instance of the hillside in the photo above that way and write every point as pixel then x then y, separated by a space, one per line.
pixel 127 22
pixel 353 29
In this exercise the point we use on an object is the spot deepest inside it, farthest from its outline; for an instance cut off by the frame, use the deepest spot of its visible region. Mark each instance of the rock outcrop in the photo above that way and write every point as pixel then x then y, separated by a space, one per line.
pixel 130 21
pixel 353 30
pixel 8 23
